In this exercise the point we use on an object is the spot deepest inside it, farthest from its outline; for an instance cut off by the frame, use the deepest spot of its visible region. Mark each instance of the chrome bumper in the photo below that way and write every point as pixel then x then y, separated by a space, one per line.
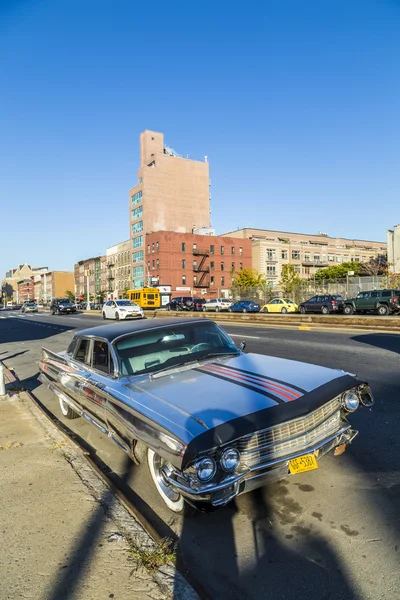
pixel 235 484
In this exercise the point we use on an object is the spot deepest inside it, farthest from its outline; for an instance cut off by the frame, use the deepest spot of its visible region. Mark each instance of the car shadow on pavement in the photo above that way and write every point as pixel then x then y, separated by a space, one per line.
pixel 383 341
pixel 22 330
pixel 266 567
pixel 78 561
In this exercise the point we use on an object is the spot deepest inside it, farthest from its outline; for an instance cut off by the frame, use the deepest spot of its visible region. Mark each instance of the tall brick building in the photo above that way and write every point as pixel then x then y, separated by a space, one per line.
pixel 194 264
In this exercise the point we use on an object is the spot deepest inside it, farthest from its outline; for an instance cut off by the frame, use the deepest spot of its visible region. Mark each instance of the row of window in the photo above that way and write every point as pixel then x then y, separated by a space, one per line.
pixel 137 242
pixel 138 256
pixel 212 280
pixel 212 265
pixel 271 270
pixel 212 249
pixel 138 271
pixel 136 198
pixel 137 227
pixel 271 254
pixel 137 213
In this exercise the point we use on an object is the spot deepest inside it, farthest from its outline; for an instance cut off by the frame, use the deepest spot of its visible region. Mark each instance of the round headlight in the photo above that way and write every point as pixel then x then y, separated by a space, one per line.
pixel 230 459
pixel 205 469
pixel 365 395
pixel 350 401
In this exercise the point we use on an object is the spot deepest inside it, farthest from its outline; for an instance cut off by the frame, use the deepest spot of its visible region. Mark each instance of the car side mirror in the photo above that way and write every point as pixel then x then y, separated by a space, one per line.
pixel 242 345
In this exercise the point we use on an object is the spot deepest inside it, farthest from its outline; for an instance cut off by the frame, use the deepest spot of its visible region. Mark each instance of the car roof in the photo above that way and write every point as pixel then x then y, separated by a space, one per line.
pixel 112 332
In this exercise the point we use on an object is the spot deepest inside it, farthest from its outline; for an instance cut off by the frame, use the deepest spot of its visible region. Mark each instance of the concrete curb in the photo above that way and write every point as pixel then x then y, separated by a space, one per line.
pixel 388 324
pixel 172 584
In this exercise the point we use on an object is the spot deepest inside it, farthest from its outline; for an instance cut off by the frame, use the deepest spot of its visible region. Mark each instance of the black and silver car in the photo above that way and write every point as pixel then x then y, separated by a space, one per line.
pixel 60 306
pixel 322 303
pixel 181 303
pixel 29 307
pixel 211 421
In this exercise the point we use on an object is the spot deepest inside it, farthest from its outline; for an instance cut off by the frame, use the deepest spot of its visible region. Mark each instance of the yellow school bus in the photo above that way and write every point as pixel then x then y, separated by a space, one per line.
pixel 145 297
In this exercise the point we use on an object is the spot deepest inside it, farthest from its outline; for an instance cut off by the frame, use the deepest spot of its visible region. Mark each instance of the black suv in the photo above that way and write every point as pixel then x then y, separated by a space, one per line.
pixel 323 303
pixel 61 306
pixel 182 303
pixel 382 302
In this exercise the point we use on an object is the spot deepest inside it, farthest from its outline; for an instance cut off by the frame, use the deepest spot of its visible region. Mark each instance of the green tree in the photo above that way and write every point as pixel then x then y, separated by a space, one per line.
pixel 289 279
pixel 247 278
pixel 70 295
pixel 338 271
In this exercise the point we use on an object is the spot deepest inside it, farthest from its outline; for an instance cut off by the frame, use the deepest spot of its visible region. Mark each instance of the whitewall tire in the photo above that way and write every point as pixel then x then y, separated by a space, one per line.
pixel 67 411
pixel 173 500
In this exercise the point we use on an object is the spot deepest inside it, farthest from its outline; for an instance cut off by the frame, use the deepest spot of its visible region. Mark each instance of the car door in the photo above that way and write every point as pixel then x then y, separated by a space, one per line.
pixel 362 301
pixel 310 304
pixel 93 381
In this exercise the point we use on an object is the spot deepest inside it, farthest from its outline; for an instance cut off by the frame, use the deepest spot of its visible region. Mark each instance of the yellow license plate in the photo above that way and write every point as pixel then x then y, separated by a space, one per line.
pixel 308 462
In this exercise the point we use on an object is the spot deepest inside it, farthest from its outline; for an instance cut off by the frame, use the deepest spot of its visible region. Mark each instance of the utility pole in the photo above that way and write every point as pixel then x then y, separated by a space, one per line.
pixel 88 273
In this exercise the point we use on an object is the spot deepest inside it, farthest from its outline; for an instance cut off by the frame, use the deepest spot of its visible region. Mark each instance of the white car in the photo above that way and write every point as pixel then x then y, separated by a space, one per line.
pixel 122 309
pixel 217 304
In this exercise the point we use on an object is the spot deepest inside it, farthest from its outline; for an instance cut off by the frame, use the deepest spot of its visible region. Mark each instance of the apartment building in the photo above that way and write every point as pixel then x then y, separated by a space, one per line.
pixel 118 269
pixel 9 284
pixel 25 290
pixel 393 249
pixel 197 264
pixel 172 194
pixel 306 252
pixel 97 278
pixel 53 284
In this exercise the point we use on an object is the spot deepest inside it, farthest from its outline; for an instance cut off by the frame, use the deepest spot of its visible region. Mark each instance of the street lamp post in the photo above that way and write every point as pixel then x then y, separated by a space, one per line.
pixel 88 273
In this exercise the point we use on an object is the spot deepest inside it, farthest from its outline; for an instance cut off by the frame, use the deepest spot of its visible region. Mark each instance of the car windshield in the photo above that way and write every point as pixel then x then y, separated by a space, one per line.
pixel 30 304
pixel 63 300
pixel 125 303
pixel 171 346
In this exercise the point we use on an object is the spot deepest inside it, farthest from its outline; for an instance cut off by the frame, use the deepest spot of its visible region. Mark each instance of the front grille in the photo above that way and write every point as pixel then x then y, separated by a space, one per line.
pixel 293 436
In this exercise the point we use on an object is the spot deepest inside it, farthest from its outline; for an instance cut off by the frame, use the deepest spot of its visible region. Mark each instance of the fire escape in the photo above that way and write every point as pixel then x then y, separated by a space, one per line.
pixel 110 276
pixel 202 269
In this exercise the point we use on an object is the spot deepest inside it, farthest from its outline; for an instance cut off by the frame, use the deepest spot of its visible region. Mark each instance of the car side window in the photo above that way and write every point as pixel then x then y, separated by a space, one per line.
pixel 374 294
pixel 83 352
pixel 386 294
pixel 312 300
pixel 101 360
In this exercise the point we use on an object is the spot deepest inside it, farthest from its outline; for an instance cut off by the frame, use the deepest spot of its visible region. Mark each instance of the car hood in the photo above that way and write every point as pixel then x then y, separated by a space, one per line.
pixel 229 397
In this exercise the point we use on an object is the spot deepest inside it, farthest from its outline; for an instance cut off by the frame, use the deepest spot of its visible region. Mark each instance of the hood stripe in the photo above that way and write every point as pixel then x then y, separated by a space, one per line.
pixel 241 384
pixel 261 380
pixel 251 380
pixel 285 383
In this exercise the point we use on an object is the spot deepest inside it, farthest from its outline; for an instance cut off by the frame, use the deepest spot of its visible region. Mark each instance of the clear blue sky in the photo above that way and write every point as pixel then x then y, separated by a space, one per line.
pixel 295 102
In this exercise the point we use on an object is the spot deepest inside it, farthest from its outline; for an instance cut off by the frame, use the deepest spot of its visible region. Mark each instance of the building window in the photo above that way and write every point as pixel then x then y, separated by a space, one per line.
pixel 306 270
pixel 138 271
pixel 338 259
pixel 137 227
pixel 211 249
pixel 183 279
pixel 136 198
pixel 331 258
pixel 240 266
pixel 194 265
pixel 317 257
pixel 183 264
pixel 270 270
pixel 222 280
pixel 296 268
pixel 195 280
pixel 284 254
pixel 307 255
pixel 137 213
pixel 137 242
pixel 346 258
pixel 233 250
pixel 240 251
pixel 324 258
pixel 194 247
pixel 356 259
pixel 138 256
pixel 154 264
pixel 158 263
pixel 222 266
pixel 212 280
pixel 212 265
pixel 222 250
pixel 152 247
pixel 295 254
pixel 148 248
pixel 140 180
pixel 270 252
pixel 233 266
pixel 183 247
pixel 157 246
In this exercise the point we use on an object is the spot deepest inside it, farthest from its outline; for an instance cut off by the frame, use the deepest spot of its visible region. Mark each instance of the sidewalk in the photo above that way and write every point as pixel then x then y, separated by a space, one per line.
pixel 64 535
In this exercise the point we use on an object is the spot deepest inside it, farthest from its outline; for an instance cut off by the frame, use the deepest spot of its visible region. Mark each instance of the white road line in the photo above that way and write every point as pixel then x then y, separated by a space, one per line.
pixel 251 337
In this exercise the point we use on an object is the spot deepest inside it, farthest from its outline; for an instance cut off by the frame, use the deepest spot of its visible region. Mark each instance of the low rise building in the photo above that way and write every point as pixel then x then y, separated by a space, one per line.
pixel 306 252
pixel 9 284
pixel 53 284
pixel 26 290
pixel 194 263
pixel 118 269
pixel 393 249
pixel 96 267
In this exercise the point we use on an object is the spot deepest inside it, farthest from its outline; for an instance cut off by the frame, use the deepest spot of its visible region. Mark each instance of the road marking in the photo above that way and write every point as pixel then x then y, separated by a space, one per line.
pixel 251 337
pixel 304 328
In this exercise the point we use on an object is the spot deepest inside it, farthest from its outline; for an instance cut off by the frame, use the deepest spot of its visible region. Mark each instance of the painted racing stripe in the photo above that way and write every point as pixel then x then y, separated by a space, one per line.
pixel 285 395
pixel 272 379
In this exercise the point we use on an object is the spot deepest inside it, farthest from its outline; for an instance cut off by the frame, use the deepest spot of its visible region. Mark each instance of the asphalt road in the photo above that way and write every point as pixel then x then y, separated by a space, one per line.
pixel 328 534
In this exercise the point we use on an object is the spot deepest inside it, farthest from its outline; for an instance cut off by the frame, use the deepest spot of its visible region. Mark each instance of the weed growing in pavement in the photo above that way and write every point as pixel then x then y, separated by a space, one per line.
pixel 154 558
pixel 58 445
pixel 11 445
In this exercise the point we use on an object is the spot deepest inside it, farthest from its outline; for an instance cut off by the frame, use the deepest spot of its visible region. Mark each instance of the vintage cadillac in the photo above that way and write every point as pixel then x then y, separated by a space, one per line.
pixel 211 421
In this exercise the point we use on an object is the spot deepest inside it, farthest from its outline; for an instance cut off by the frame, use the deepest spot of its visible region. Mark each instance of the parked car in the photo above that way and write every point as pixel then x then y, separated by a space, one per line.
pixel 382 302
pixel 244 306
pixel 199 303
pixel 280 305
pixel 29 307
pixel 217 304
pixel 210 421
pixel 323 303
pixel 181 303
pixel 60 306
pixel 122 309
